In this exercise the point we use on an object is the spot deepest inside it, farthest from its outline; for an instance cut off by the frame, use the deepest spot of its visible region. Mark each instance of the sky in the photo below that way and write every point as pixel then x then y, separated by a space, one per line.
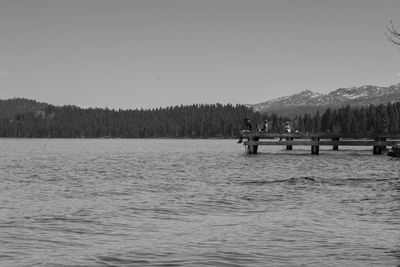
pixel 149 54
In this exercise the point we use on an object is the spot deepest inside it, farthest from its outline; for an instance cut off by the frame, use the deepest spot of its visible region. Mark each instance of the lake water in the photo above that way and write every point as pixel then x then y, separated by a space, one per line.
pixel 127 202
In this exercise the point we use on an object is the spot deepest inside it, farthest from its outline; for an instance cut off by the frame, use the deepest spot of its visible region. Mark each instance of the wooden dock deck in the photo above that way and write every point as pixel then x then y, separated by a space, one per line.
pixel 378 142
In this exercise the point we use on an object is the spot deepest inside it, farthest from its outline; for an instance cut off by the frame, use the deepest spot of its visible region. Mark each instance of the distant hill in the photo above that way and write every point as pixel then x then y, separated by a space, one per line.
pixel 311 102
pixel 11 107
pixel 29 118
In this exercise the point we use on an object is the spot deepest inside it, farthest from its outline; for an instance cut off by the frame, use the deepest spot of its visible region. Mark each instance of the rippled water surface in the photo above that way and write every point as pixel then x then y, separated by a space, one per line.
pixel 84 202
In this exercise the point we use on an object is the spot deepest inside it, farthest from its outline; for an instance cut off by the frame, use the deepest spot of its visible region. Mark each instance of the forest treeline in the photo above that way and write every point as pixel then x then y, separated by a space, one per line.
pixel 192 121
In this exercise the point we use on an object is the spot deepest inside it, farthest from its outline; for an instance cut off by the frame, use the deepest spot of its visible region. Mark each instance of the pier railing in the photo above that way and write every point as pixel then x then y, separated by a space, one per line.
pixel 378 142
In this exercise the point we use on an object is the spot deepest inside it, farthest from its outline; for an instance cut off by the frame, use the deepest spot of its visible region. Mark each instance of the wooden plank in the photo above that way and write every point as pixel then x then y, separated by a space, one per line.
pixel 320 135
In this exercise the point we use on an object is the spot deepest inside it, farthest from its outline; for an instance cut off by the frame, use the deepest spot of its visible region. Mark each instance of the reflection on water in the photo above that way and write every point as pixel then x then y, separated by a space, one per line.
pixel 194 203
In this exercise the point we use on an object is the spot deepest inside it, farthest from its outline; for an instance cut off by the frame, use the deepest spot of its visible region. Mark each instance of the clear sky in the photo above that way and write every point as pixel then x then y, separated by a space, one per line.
pixel 147 53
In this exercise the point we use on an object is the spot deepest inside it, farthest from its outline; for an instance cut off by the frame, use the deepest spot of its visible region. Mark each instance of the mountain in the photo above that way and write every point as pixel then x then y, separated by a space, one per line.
pixel 11 107
pixel 311 102
pixel 289 106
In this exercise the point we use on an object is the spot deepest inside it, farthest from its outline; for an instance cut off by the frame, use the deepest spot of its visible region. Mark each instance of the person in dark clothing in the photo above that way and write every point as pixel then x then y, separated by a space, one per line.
pixel 252 149
pixel 249 126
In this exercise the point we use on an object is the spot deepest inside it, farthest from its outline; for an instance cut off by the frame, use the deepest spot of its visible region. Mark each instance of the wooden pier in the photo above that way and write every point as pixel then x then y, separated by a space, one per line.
pixel 378 142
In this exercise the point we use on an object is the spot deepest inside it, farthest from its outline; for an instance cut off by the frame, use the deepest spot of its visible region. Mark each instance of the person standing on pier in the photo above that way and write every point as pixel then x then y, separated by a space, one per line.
pixel 247 130
pixel 248 124
pixel 264 128
pixel 288 129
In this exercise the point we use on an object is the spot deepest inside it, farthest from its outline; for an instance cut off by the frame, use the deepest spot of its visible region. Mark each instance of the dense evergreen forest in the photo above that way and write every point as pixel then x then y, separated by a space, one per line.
pixel 194 121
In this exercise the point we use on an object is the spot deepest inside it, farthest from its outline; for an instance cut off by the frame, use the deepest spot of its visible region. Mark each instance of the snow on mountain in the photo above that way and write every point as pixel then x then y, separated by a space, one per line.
pixel 309 101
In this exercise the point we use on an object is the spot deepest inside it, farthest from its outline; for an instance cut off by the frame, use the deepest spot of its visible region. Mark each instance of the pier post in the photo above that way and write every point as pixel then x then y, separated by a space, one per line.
pixel 378 149
pixel 249 149
pixel 383 139
pixel 335 147
pixel 315 148
pixel 289 147
pixel 252 149
pixel 255 147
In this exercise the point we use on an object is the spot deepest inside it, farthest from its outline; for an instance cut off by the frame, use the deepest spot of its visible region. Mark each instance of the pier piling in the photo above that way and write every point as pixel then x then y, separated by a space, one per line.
pixel 335 146
pixel 315 146
pixel 289 147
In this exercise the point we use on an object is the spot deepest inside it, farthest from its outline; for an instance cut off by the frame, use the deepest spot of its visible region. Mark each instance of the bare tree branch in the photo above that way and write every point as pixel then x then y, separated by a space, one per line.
pixel 392 34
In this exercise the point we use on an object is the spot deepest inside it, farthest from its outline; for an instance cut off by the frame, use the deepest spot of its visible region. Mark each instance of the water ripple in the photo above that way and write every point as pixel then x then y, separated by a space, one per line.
pixel 94 202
